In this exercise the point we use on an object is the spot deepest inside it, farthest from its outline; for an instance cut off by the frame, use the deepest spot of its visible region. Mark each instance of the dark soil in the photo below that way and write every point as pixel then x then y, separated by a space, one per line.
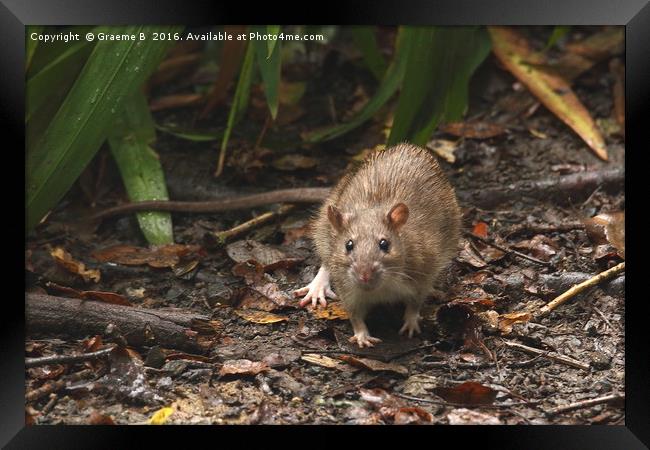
pixel 452 348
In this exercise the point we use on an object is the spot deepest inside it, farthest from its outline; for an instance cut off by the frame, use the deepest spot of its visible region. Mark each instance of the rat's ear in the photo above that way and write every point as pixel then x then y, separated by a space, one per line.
pixel 335 217
pixel 397 216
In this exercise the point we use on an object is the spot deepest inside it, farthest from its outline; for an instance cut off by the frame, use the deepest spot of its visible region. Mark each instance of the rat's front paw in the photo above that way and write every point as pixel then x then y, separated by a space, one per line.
pixel 410 326
pixel 363 339
pixel 316 291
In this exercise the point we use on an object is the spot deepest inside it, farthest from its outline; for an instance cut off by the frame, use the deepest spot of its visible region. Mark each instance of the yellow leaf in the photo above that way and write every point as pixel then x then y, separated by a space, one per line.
pixel 553 91
pixel 161 416
pixel 259 316
pixel 331 312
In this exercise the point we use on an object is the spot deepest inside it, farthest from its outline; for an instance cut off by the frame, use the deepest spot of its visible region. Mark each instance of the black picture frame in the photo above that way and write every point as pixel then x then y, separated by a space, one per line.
pixel 634 14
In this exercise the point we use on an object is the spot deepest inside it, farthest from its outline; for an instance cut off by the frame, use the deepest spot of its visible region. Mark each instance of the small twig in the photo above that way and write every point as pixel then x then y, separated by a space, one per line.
pixel 547 228
pixel 578 288
pixel 66 359
pixel 557 357
pixel 46 389
pixel 265 127
pixel 464 405
pixel 54 398
pixel 602 316
pixel 507 250
pixel 586 404
pixel 454 365
pixel 223 236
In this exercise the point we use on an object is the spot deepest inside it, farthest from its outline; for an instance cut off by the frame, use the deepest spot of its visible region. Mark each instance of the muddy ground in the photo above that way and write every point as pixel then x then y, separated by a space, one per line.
pixel 302 369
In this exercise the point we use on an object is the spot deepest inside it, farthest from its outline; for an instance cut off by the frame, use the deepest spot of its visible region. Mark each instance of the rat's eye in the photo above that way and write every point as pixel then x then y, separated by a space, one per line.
pixel 349 245
pixel 384 245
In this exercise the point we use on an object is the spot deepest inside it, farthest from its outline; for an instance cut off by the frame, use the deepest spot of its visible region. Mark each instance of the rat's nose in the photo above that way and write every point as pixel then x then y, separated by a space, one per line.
pixel 366 274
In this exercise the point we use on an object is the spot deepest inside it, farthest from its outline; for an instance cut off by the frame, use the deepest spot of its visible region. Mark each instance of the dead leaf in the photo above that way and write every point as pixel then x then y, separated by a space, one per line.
pixel 294 162
pixel 473 130
pixel 65 260
pixel 106 297
pixel 326 361
pixel 540 246
pixel 160 417
pixel 97 418
pixel 481 229
pixel 607 228
pixel 333 311
pixel 157 257
pixel 268 256
pixel 93 344
pixel 444 148
pixel 175 101
pixel 469 256
pixel 506 321
pixel 412 415
pixel 468 393
pixel 250 270
pixel 242 367
pixel 262 317
pixel 514 52
pixel 374 365
pixel 463 416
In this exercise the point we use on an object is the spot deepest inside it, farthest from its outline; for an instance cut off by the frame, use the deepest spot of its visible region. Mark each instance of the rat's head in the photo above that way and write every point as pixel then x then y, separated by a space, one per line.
pixel 368 247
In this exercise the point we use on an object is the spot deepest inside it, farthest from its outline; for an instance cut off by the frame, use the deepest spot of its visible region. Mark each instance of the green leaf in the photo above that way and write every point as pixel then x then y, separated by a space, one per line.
pixel 275 30
pixel 239 103
pixel 440 63
pixel 142 174
pixel 58 75
pixel 270 70
pixel 366 40
pixel 385 91
pixel 31 44
pixel 558 32
pixel 113 72
pixel 192 135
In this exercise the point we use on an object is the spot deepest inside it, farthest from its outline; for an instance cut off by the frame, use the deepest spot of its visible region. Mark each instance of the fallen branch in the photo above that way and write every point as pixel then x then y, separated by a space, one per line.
pixel 49 315
pixel 67 359
pixel 575 290
pixel 554 356
pixel 223 236
pixel 586 404
pixel 563 189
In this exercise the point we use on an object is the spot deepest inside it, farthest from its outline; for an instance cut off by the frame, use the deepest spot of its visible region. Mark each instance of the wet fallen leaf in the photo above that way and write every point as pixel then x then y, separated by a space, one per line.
pixel 269 257
pixel 184 270
pixel 97 418
pixel 468 393
pixel 473 130
pixel 65 260
pixel 444 148
pixel 506 321
pixel 157 257
pixel 607 228
pixel 514 52
pixel 105 297
pixel 325 361
pixel 463 416
pixel 250 270
pixel 294 162
pixel 161 416
pixel 333 311
pixel 374 365
pixel 262 317
pixel 242 367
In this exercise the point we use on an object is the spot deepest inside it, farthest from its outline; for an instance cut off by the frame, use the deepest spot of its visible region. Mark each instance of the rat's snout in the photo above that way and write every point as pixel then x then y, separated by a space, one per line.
pixel 366 274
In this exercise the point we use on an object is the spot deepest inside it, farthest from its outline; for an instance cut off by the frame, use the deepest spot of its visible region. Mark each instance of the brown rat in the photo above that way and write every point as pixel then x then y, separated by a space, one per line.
pixel 384 234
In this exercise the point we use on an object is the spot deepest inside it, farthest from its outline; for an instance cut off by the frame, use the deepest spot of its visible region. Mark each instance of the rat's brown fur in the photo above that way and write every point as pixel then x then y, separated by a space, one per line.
pixel 420 248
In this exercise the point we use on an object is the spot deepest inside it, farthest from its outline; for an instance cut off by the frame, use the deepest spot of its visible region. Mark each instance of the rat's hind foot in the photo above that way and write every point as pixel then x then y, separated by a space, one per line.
pixel 316 291
pixel 363 339
pixel 411 318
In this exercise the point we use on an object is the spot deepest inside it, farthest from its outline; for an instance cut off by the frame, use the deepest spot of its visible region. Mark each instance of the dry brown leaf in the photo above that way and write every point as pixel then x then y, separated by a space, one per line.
pixel 540 246
pixel 333 311
pixel 65 260
pixel 473 130
pixel 157 257
pixel 444 148
pixel 480 229
pixel 469 393
pixel 506 321
pixel 97 418
pixel 607 228
pixel 374 365
pixel 326 361
pixel 469 256
pixel 262 317
pixel 514 52
pixel 268 256
pixel 242 367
